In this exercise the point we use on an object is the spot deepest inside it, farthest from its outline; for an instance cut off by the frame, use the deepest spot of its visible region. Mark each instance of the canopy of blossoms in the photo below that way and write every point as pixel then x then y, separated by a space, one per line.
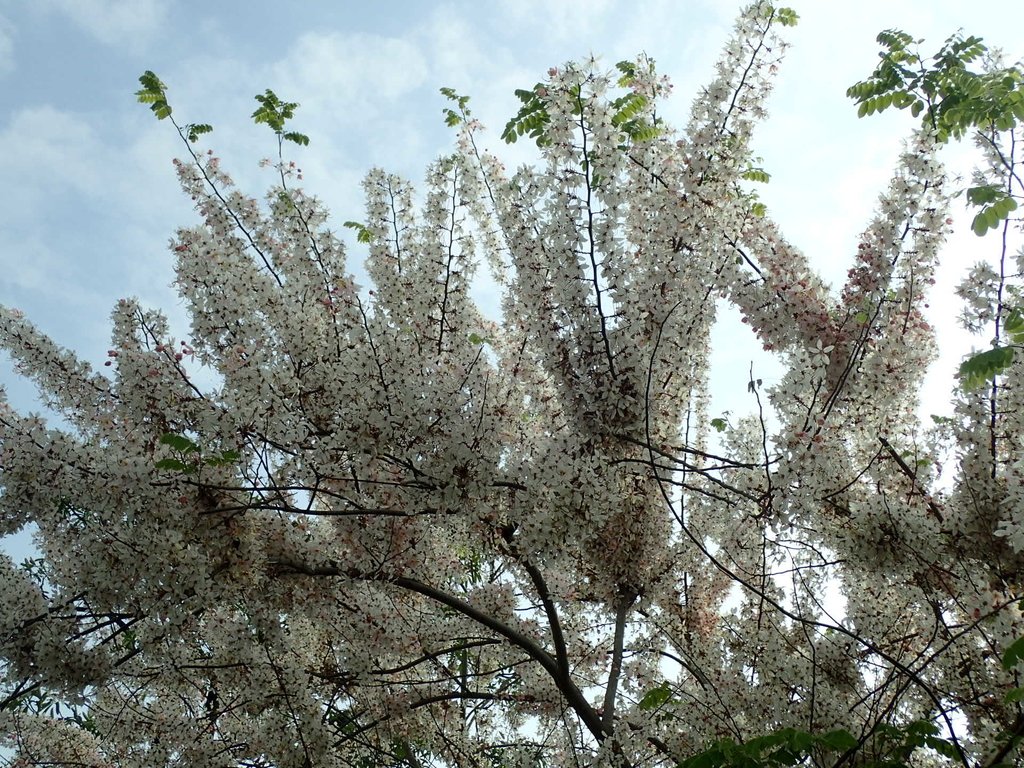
pixel 399 532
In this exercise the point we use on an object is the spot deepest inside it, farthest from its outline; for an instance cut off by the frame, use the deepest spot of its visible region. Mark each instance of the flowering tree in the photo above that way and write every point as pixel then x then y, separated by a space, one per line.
pixel 397 532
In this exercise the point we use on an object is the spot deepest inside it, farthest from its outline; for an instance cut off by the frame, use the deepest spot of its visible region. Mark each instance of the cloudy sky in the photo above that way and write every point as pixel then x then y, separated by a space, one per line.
pixel 89 199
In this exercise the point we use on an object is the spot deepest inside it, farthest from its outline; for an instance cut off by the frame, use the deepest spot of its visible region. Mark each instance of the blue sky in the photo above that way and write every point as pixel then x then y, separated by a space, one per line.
pixel 89 198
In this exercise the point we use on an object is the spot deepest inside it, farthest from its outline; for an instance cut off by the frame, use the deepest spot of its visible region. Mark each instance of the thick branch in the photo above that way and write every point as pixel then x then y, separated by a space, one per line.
pixel 621 611
pixel 573 696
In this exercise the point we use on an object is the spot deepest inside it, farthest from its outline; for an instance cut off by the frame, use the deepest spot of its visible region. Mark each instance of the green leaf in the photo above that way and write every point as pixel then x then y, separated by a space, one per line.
pixel 1013 324
pixel 984 366
pixel 531 119
pixel 787 17
pixel 1014 695
pixel 178 442
pixel 985 193
pixel 628 70
pixel 719 424
pixel 297 138
pixel 756 174
pixel 627 107
pixel 917 730
pixel 988 218
pixel 716 756
pixel 754 747
pixel 655 697
pixel 944 747
pixel 151 83
pixel 641 131
pixel 195 130
pixel 1014 654
pixel 894 39
pixel 839 740
pixel 1005 207
pixel 957 98
pixel 902 99
pixel 462 102
pixel 225 459
pixel 802 741
pixel 275 112
pixel 363 234
pixel 153 92
pixel 172 464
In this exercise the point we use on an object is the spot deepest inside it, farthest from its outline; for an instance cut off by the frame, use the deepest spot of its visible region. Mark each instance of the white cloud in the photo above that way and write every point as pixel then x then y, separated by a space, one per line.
pixel 563 20
pixel 369 67
pixel 356 88
pixel 117 23
pixel 80 193
pixel 53 148
pixel 6 46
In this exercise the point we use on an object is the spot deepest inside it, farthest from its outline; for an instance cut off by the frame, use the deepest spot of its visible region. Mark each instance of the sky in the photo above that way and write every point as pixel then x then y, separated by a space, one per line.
pixel 90 200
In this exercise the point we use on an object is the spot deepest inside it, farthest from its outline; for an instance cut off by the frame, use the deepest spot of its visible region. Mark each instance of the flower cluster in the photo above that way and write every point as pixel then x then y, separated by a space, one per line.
pixel 395 529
